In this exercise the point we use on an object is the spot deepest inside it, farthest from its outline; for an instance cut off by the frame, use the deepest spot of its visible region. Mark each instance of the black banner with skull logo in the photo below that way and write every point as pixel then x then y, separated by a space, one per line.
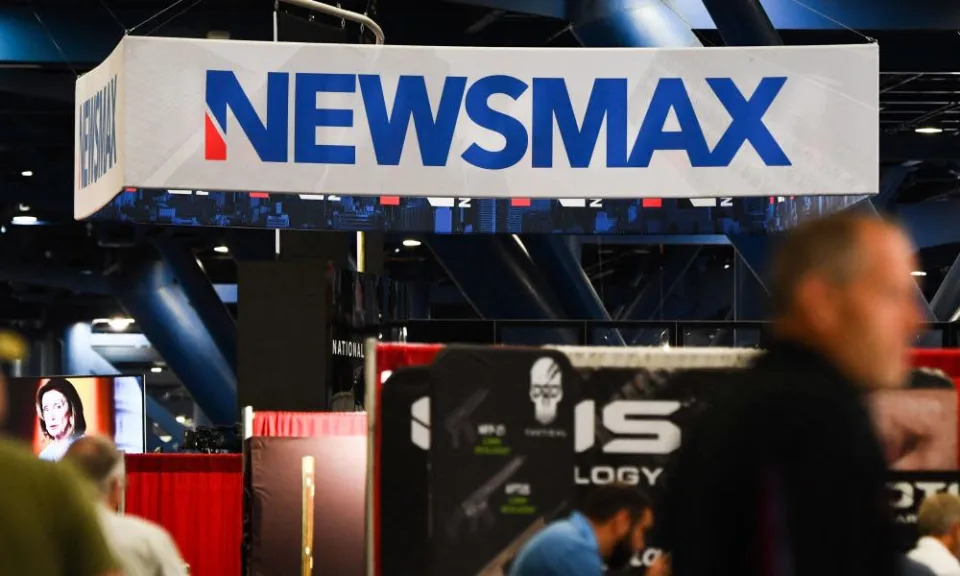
pixel 501 436
pixel 484 416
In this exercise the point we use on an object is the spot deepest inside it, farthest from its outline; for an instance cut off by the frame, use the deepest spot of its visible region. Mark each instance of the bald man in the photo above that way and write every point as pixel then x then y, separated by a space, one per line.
pixel 784 473
pixel 144 548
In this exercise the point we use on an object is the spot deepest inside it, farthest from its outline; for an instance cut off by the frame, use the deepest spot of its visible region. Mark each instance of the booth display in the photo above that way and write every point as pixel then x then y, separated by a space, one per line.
pixel 629 418
pixel 49 413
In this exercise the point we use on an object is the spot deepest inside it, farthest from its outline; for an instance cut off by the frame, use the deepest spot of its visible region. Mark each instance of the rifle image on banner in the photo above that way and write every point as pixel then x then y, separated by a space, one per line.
pixel 458 422
pixel 306 527
pixel 498 566
pixel 476 507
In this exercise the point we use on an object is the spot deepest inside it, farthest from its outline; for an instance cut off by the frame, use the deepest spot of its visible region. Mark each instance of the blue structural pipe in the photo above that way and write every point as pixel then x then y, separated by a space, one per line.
pixel 203 297
pixel 162 303
pixel 629 23
pixel 743 23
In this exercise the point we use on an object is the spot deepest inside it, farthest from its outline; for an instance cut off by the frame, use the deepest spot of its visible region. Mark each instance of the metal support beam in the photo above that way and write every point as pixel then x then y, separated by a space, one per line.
pixel 649 299
pixel 629 23
pixel 785 14
pixel 165 306
pixel 743 23
pixel 498 279
pixel 754 253
pixel 946 302
pixel 578 297
pixel 890 181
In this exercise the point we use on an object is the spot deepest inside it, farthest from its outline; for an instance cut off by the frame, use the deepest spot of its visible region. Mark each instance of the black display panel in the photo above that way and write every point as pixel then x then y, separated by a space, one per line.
pixel 467 215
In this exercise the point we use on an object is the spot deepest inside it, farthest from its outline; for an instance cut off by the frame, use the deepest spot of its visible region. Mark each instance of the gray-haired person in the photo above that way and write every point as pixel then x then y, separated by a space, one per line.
pixel 143 548
pixel 938 523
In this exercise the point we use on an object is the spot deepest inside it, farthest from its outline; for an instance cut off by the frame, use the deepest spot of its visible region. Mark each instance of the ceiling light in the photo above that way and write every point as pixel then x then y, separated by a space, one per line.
pixel 24 208
pixel 221 249
pixel 411 243
pixel 726 266
pixel 928 130
pixel 119 324
pixel 165 438
pixel 156 369
pixel 180 418
pixel 24 220
pixel 27 173
pixel 920 273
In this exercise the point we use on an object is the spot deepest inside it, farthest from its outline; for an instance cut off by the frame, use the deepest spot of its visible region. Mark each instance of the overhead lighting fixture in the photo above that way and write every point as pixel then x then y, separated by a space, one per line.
pixel 24 208
pixel 27 173
pixel 411 243
pixel 726 266
pixel 180 418
pixel 165 438
pixel 221 249
pixel 919 273
pixel 928 130
pixel 156 369
pixel 24 220
pixel 119 324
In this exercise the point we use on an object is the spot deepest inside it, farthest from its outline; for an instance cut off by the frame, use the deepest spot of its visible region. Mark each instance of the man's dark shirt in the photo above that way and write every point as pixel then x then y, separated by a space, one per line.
pixel 781 476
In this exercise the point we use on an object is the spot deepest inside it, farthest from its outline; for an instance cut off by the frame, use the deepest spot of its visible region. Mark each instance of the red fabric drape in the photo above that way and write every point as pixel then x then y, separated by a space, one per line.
pixel 947 360
pixel 309 424
pixel 198 499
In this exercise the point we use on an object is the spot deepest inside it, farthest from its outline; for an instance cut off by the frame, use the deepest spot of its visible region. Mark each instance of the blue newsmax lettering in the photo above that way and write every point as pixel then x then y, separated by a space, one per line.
pixel 434 122
pixel 97 134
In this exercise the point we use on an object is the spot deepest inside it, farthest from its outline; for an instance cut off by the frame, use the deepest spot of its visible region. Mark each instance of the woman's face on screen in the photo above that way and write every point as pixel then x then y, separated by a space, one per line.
pixel 56 414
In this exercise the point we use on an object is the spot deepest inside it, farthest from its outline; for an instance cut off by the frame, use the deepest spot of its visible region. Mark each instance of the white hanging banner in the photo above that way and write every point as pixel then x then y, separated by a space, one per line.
pixel 478 122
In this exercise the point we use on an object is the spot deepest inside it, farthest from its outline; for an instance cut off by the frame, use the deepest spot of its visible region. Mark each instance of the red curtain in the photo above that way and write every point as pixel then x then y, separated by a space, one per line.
pixel 199 499
pixel 309 424
pixel 947 360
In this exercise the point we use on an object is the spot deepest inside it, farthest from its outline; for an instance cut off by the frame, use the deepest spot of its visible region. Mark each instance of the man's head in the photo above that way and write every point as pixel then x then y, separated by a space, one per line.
pixel 843 285
pixel 621 516
pixel 99 461
pixel 939 517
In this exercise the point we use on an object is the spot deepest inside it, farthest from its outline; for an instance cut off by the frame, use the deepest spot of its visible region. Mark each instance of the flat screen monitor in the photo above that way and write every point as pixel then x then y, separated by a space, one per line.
pixel 49 413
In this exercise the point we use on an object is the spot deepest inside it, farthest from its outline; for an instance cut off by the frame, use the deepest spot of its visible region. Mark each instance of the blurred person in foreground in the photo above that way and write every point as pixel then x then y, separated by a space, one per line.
pixel 784 474
pixel 938 523
pixel 49 528
pixel 609 528
pixel 144 549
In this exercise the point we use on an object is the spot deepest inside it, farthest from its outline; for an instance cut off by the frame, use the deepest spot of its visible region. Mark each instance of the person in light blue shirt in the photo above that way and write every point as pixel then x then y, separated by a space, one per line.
pixel 609 528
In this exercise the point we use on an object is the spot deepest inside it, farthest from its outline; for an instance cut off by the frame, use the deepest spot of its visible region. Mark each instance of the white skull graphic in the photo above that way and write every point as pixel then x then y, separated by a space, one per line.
pixel 546 389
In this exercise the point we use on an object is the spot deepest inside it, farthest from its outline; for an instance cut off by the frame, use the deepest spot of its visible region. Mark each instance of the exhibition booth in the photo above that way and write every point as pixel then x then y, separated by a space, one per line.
pixel 454 464
pixel 467 443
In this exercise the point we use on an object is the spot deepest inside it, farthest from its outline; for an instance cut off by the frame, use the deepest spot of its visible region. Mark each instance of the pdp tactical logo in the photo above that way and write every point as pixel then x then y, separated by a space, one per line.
pixel 546 389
